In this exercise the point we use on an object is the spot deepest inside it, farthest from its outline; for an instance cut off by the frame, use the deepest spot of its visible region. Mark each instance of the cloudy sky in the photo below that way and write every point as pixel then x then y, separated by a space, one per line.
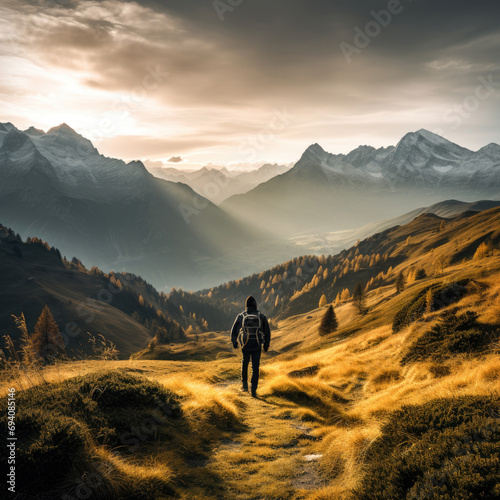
pixel 239 82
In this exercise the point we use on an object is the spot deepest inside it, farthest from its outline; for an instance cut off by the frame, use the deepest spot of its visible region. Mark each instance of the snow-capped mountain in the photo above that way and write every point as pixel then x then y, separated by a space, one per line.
pixel 419 159
pixel 112 214
pixel 72 162
pixel 369 184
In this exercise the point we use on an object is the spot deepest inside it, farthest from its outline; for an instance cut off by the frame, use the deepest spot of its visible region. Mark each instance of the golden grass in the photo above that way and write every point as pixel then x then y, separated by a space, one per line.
pixel 255 446
pixel 364 368
pixel 156 469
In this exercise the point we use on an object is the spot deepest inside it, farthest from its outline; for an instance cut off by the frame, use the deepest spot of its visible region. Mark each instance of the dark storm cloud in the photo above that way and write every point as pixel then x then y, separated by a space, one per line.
pixel 274 50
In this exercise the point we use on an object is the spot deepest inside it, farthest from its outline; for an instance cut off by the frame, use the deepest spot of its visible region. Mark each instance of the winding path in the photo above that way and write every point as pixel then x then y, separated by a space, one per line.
pixel 273 458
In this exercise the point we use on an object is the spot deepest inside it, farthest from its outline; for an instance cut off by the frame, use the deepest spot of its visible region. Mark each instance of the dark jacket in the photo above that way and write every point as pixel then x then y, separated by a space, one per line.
pixel 252 344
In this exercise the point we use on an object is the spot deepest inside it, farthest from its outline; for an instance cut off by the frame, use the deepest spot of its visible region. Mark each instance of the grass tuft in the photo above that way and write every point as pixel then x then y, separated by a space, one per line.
pixel 447 449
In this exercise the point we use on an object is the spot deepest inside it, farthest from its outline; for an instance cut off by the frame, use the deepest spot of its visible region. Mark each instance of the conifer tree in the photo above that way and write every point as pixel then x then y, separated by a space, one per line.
pixel 358 297
pixel 329 322
pixel 400 282
pixel 322 301
pixel 47 342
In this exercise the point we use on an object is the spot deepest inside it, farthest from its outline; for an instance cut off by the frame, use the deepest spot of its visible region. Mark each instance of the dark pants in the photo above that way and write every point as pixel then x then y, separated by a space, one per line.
pixel 255 356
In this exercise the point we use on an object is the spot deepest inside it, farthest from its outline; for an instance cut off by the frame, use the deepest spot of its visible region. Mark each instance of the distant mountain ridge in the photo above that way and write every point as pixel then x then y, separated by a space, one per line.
pixel 370 184
pixel 118 216
pixel 333 242
pixel 218 184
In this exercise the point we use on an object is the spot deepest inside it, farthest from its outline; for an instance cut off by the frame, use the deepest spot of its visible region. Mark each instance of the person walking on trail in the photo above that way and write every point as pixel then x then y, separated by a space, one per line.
pixel 251 332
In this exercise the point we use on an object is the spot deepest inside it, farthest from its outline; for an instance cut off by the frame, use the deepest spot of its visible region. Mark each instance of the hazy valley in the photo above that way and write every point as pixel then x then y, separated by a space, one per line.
pixel 117 216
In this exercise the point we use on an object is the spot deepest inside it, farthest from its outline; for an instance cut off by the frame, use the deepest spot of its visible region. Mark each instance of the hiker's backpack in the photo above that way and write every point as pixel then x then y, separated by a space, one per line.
pixel 251 329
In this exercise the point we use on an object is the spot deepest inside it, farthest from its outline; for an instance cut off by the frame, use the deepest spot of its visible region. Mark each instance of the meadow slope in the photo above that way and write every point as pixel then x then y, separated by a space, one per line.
pixel 321 427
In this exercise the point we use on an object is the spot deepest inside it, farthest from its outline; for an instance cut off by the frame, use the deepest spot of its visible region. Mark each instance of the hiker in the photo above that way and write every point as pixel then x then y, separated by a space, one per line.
pixel 251 332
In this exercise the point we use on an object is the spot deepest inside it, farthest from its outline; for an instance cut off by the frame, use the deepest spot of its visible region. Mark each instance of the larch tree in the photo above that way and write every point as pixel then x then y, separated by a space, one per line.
pixel 358 297
pixel 485 249
pixel 400 282
pixel 442 262
pixel 329 322
pixel 47 342
pixel 322 301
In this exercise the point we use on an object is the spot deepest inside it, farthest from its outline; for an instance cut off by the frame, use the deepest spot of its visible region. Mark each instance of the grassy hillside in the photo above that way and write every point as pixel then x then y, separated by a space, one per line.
pixel 369 411
pixel 429 243
pixel 130 312
pixel 122 307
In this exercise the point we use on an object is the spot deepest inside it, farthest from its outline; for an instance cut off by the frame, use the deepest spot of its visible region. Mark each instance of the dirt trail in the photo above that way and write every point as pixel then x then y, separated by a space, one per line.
pixel 266 461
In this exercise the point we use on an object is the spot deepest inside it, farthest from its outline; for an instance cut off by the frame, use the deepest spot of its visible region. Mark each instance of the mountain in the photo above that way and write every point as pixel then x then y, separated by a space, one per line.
pixel 331 192
pixel 262 174
pixel 116 215
pixel 218 184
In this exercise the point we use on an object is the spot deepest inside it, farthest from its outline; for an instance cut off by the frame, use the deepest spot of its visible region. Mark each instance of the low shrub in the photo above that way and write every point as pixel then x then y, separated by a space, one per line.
pixel 447 449
pixel 454 334
pixel 431 298
pixel 46 445
pixel 60 426
pixel 439 370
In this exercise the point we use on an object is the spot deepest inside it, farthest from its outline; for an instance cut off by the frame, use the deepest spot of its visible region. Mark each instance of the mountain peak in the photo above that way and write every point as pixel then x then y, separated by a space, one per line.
pixel 428 134
pixel 424 134
pixel 313 148
pixel 34 131
pixel 7 127
pixel 491 149
pixel 314 151
pixel 14 140
pixel 431 139
pixel 64 129
pixel 65 136
pixel 139 165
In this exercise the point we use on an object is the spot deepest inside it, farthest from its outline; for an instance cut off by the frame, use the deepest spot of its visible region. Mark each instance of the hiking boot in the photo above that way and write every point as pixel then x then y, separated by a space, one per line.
pixel 244 387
